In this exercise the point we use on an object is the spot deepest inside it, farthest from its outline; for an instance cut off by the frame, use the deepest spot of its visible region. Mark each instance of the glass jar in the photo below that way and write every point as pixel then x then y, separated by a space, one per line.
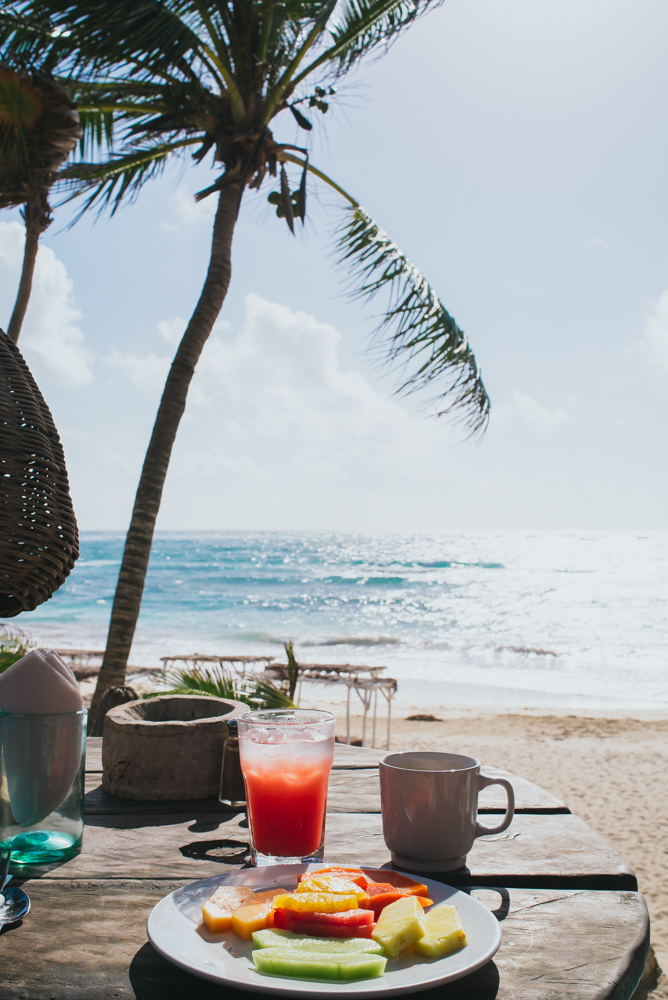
pixel 42 772
pixel 232 788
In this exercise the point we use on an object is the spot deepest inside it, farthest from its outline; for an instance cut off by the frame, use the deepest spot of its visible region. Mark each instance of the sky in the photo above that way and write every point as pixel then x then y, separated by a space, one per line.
pixel 516 151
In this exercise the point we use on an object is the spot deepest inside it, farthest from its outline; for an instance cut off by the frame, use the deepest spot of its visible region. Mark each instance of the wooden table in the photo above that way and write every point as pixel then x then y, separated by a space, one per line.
pixel 574 925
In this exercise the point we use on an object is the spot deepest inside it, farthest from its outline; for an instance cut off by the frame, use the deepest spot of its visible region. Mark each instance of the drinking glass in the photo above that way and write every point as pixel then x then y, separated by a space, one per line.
pixel 42 769
pixel 286 756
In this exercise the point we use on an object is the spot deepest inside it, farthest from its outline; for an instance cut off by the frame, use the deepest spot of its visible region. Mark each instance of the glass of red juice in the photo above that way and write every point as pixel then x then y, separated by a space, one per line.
pixel 286 756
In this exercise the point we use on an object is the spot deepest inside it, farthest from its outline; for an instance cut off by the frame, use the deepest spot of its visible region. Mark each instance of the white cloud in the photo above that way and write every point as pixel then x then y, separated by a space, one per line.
pixel 51 338
pixel 191 212
pixel 148 372
pixel 536 414
pixel 656 333
pixel 171 330
pixel 282 410
pixel 272 409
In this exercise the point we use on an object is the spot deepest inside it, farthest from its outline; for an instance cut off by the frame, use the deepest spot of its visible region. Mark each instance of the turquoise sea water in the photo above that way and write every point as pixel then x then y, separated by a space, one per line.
pixel 480 617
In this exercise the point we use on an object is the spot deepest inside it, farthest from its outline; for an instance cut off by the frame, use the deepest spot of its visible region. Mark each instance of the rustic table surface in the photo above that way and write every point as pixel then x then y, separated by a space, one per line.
pixel 574 924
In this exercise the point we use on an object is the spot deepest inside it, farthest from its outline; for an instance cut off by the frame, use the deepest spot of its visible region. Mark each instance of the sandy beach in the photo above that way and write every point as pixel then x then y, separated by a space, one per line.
pixel 608 770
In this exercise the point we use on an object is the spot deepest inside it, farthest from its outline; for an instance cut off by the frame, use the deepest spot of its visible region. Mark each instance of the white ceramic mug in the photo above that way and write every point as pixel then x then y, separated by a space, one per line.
pixel 429 802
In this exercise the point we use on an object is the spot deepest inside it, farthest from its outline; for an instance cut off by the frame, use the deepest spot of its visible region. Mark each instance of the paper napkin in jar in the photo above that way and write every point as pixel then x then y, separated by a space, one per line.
pixel 42 738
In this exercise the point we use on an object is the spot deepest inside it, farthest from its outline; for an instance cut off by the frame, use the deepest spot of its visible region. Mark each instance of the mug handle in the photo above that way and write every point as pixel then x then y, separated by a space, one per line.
pixel 483 782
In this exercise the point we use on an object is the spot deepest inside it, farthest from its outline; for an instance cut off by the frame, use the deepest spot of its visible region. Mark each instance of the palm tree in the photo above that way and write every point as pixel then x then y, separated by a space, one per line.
pixel 39 128
pixel 211 76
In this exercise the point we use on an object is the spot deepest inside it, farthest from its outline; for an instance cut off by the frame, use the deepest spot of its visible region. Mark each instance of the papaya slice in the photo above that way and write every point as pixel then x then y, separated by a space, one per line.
pixel 402 882
pixel 255 914
pixel 218 909
pixel 381 894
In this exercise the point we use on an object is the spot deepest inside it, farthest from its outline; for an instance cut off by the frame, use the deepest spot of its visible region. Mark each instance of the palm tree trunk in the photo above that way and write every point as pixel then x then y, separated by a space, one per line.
pixel 34 230
pixel 130 586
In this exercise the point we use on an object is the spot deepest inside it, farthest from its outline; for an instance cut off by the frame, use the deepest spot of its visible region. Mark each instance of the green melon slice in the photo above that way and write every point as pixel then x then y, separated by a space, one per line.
pixel 318 964
pixel 333 946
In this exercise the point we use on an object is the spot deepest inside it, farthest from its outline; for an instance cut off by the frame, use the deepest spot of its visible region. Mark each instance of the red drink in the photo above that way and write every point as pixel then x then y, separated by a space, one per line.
pixel 286 765
pixel 287 806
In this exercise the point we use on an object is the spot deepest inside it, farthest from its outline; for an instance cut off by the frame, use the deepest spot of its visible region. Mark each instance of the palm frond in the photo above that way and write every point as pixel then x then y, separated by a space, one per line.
pixel 363 25
pixel 120 177
pixel 28 36
pixel 311 37
pixel 105 90
pixel 216 28
pixel 293 668
pixel 416 327
pixel 151 36
pixel 216 682
pixel 97 131
pixel 270 696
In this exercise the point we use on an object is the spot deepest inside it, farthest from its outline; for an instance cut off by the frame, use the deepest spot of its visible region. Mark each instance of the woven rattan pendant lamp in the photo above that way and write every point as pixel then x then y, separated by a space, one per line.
pixel 39 539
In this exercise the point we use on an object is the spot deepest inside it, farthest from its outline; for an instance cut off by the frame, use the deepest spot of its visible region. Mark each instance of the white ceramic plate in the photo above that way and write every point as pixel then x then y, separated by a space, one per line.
pixel 175 929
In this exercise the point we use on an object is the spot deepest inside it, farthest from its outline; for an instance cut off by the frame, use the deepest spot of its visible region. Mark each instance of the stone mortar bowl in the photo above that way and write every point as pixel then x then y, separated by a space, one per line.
pixel 166 749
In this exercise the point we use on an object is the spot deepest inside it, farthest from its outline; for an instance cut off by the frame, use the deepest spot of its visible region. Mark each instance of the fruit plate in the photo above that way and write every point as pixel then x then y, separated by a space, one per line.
pixel 176 931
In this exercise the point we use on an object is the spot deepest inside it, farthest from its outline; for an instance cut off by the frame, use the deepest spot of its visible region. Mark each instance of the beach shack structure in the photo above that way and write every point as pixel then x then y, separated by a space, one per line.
pixel 364 680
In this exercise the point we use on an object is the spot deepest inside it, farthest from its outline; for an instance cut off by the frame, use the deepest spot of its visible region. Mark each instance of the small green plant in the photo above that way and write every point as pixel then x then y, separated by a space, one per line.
pixel 13 645
pixel 293 669
pixel 216 682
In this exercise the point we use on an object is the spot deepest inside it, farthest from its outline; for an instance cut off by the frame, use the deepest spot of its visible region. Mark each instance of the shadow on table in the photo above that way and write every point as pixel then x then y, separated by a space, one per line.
pixel 226 852
pixel 137 821
pixel 503 909
pixel 152 977
pixel 98 803
pixel 8 928
pixel 461 878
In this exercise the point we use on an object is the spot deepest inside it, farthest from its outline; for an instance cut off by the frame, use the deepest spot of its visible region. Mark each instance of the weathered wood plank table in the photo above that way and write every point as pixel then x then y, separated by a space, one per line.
pixel 574 925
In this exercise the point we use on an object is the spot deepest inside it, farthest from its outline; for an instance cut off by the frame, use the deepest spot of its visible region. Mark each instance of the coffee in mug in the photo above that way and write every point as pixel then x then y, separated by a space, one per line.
pixel 429 802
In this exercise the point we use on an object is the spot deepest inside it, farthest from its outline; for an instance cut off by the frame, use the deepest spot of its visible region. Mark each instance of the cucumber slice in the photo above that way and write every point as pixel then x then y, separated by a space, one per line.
pixel 317 965
pixel 270 938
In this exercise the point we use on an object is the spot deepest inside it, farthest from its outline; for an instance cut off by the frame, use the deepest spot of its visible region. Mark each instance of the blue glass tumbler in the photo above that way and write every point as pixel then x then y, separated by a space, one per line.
pixel 42 769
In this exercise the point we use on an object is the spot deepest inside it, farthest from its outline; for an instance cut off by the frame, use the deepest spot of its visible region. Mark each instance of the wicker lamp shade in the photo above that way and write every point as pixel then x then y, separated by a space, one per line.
pixel 39 539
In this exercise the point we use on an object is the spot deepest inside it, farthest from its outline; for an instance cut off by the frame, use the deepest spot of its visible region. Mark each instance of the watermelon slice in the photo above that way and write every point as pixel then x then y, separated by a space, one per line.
pixel 342 918
pixel 285 920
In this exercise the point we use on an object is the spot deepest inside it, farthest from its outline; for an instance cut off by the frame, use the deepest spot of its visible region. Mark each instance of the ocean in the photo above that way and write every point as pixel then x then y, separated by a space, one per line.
pixel 479 618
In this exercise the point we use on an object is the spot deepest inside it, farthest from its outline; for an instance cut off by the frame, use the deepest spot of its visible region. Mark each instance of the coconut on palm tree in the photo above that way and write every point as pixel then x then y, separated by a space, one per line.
pixel 39 128
pixel 214 77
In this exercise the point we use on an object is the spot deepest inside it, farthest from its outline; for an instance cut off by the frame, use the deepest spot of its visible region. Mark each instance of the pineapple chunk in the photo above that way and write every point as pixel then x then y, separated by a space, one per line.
pixel 256 914
pixel 218 909
pixel 317 902
pixel 330 884
pixel 444 933
pixel 400 924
